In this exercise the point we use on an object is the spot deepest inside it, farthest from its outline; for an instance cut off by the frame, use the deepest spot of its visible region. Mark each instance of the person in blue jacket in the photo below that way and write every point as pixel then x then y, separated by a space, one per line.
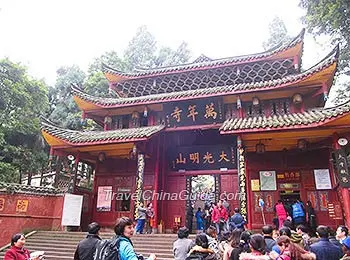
pixel 124 229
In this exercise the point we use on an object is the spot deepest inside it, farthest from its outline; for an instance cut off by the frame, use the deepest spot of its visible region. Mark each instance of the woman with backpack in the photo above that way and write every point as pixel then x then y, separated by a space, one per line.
pixel 124 229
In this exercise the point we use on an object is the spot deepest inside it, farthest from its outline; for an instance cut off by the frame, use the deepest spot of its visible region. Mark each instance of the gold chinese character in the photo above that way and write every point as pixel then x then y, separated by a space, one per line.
pixel 177 114
pixel 180 159
pixel 208 158
pixel 223 156
pixel 192 112
pixel 194 157
pixel 210 111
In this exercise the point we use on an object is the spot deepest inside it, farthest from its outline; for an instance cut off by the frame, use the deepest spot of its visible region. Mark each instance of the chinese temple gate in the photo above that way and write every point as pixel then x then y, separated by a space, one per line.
pixel 257 123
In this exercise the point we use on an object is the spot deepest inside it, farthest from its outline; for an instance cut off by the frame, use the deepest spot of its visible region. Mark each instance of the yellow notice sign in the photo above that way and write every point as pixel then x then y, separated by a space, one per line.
pixel 22 205
pixel 2 204
pixel 255 185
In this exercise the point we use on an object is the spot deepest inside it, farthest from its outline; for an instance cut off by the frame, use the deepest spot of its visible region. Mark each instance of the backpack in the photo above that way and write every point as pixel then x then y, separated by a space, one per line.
pixel 107 249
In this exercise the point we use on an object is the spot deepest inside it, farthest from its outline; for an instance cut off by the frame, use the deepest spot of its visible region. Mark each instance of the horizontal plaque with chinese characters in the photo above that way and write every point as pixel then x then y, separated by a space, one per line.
pixel 202 157
pixel 194 112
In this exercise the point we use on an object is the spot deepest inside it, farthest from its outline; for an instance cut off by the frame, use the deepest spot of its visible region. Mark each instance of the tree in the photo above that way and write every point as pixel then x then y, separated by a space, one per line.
pixel 278 33
pixel 64 111
pixel 22 100
pixel 142 51
pixel 332 18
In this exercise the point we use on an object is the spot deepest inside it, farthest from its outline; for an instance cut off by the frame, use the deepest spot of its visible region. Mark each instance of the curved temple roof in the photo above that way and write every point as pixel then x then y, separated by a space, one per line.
pixel 315 117
pixel 327 62
pixel 80 138
pixel 115 75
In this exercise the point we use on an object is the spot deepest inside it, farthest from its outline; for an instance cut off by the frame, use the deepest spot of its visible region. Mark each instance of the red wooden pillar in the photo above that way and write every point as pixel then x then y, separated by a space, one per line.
pixel 344 191
pixel 156 182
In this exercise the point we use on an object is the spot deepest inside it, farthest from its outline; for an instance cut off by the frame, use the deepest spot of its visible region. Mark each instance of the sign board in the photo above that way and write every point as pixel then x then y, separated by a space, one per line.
pixel 322 179
pixel 293 176
pixel 268 180
pixel 104 198
pixel 202 157
pixel 342 168
pixel 255 185
pixel 22 205
pixel 335 211
pixel 194 112
pixel 72 210
pixel 2 204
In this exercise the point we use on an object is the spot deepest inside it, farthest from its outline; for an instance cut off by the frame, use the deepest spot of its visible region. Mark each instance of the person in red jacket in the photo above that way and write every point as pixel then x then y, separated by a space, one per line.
pixel 17 251
pixel 281 213
pixel 219 217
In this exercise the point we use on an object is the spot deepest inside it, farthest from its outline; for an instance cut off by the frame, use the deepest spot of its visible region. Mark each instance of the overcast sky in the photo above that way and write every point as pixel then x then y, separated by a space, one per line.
pixel 46 34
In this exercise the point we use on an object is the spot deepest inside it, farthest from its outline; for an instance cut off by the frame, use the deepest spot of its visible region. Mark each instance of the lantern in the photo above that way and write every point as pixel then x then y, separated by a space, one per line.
pixel 297 99
pixel 101 157
pixel 256 101
pixel 301 144
pixel 260 148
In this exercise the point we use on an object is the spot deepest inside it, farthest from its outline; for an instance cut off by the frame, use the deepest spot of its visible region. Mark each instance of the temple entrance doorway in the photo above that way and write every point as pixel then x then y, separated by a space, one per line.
pixel 289 197
pixel 202 196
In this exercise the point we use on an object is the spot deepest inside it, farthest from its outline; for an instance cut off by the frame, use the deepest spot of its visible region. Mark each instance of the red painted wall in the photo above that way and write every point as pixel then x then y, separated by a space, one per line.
pixel 43 212
pixel 119 173
pixel 302 162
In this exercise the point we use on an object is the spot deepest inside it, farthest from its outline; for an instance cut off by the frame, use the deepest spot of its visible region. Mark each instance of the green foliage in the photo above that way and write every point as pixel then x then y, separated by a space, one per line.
pixel 278 33
pixel 142 51
pixel 332 18
pixel 23 99
pixel 64 111
pixel 8 173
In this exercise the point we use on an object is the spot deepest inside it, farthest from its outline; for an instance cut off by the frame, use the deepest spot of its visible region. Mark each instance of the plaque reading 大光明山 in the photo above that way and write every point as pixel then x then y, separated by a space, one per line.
pixel 202 157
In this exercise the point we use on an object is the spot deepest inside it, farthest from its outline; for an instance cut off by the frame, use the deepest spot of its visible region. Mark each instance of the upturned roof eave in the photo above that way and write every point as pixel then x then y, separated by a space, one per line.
pixel 53 135
pixel 115 76
pixel 94 103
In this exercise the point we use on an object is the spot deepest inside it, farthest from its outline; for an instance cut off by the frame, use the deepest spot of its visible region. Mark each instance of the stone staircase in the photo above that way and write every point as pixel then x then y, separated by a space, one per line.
pixel 60 245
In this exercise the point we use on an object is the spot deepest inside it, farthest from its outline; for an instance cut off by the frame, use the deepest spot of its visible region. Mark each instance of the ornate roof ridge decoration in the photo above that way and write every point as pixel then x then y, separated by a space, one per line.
pixel 202 58
pixel 314 117
pixel 81 138
pixel 27 189
pixel 202 63
pixel 329 60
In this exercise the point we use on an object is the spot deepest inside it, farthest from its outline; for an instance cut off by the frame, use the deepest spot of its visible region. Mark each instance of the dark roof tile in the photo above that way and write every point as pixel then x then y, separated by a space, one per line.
pixel 111 136
pixel 203 61
pixel 288 120
pixel 215 91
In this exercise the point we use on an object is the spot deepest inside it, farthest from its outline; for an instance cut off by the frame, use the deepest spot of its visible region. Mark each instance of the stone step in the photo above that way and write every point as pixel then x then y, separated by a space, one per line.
pixel 62 245
pixel 48 244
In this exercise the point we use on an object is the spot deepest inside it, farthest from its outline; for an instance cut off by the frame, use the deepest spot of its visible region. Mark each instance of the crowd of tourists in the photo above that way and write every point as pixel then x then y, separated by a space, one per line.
pixel 290 237
pixel 218 215
pixel 285 244
pixel 293 235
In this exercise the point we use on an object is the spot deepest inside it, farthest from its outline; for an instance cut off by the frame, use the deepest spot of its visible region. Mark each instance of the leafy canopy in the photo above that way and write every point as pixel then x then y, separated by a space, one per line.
pixel 22 100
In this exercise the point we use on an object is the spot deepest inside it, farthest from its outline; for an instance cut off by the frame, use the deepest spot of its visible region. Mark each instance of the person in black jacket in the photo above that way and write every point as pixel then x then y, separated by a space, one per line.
pixel 267 233
pixel 324 249
pixel 86 248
